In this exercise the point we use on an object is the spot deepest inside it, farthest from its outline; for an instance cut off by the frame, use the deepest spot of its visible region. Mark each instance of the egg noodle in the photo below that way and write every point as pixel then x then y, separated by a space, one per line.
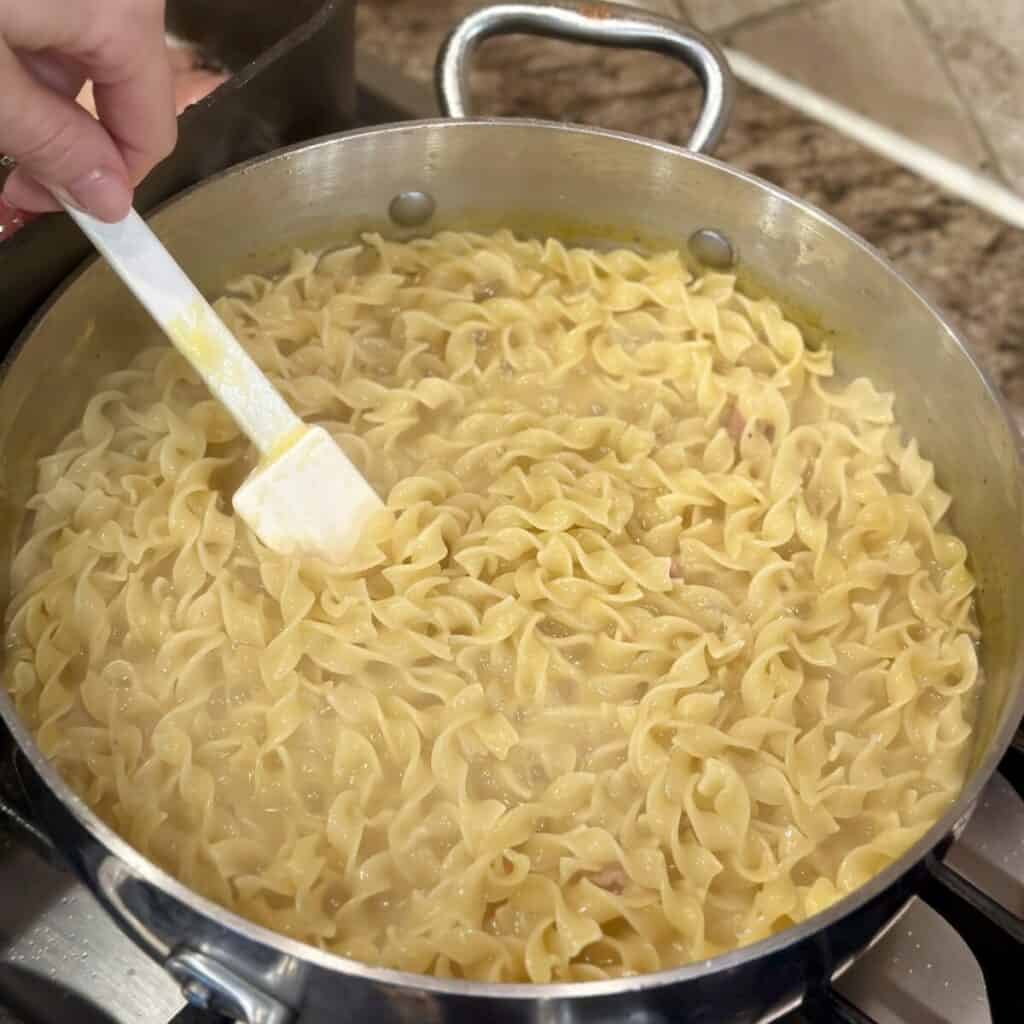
pixel 660 645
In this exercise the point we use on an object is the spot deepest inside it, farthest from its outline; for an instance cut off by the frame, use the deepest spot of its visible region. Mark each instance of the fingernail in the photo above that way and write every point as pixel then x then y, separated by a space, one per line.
pixel 103 194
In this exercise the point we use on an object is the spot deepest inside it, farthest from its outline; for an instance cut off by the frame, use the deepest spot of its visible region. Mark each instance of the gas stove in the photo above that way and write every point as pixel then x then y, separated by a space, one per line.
pixel 951 958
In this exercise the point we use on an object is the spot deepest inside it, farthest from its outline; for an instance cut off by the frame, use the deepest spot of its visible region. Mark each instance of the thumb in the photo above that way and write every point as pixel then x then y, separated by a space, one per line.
pixel 58 144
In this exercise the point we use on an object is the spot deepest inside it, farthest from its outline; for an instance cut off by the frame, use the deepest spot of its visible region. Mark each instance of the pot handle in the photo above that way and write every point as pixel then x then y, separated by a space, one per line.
pixel 602 24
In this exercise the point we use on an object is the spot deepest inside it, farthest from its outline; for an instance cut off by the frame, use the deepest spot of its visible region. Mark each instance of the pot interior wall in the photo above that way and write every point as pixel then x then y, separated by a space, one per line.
pixel 586 187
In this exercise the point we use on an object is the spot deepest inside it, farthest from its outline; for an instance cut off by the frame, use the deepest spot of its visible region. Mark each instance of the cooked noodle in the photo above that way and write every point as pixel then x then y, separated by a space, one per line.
pixel 660 646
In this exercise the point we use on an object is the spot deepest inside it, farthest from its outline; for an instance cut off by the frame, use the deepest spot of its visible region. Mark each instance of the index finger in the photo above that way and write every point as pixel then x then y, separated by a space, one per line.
pixel 119 44
pixel 133 88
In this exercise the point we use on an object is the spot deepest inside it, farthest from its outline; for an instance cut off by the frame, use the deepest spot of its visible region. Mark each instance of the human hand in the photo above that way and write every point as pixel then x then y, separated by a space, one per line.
pixel 48 48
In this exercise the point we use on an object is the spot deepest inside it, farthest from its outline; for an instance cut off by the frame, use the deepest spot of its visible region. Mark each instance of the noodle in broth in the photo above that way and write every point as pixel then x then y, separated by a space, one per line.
pixel 661 645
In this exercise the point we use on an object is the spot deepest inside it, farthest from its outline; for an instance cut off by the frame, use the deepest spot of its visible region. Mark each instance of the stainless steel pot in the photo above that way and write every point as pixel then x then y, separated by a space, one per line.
pixel 565 180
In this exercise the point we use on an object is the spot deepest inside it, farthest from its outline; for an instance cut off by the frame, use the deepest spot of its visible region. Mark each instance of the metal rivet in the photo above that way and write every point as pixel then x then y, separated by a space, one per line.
pixel 411 209
pixel 197 994
pixel 712 248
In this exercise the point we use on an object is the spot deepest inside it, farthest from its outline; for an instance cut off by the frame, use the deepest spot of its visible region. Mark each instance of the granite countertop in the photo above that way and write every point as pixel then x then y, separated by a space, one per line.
pixel 967 262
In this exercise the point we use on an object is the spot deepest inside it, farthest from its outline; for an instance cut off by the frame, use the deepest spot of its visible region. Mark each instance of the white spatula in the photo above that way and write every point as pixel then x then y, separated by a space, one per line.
pixel 305 496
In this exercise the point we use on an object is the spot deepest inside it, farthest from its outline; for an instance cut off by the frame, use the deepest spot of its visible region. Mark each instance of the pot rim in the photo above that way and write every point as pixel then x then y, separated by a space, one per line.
pixel 951 821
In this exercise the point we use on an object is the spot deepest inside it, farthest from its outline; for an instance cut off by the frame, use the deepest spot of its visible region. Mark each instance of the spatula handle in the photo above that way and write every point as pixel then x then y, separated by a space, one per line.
pixel 148 269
